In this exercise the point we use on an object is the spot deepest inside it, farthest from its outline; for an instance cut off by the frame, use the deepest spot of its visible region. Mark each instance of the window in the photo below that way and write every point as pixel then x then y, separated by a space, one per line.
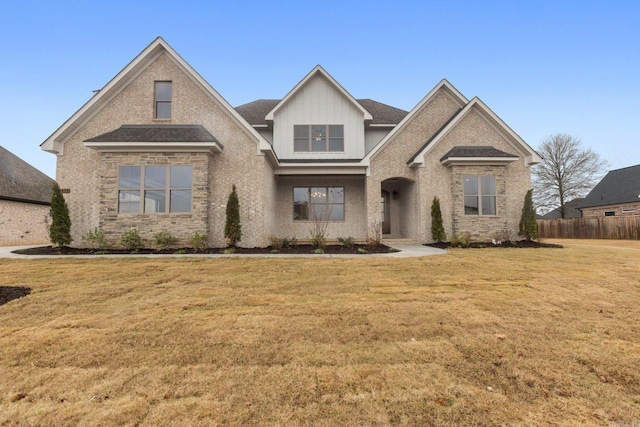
pixel 318 203
pixel 162 99
pixel 609 213
pixel 316 138
pixel 479 195
pixel 154 189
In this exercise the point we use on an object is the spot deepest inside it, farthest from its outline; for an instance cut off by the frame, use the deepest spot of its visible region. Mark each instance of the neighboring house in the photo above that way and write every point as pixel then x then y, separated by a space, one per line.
pixel 570 210
pixel 25 198
pixel 617 194
pixel 159 149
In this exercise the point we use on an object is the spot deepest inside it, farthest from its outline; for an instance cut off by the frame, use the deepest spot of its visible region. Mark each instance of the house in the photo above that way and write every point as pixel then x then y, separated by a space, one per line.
pixel 617 194
pixel 571 210
pixel 158 149
pixel 25 199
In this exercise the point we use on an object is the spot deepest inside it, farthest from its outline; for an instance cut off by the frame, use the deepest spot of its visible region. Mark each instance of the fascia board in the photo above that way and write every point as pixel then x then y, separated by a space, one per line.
pixel 50 143
pixel 181 147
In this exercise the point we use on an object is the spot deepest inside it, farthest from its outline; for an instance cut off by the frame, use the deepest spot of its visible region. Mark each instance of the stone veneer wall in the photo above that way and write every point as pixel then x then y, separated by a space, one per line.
pixel 79 168
pixel 355 211
pixel 600 210
pixel 180 225
pixel 480 227
pixel 23 223
pixel 473 130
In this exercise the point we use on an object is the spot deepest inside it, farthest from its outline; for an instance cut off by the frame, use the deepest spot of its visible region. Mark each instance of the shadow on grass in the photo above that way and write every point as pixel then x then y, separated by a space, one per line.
pixel 9 293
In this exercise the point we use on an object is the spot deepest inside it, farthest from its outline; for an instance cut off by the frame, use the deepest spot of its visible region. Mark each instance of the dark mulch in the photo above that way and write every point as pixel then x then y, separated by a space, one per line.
pixel 506 244
pixel 9 293
pixel 296 249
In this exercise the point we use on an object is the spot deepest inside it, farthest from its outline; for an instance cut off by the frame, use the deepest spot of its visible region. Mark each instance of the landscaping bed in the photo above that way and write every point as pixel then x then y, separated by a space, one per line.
pixel 505 244
pixel 293 249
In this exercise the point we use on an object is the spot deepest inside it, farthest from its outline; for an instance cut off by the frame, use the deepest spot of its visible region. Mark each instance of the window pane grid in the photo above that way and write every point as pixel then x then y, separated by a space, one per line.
pixel 318 138
pixel 157 185
pixel 480 195
pixel 162 100
pixel 318 203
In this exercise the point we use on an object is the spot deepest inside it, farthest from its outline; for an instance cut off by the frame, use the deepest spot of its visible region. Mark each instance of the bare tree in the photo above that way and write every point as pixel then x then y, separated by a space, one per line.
pixel 567 171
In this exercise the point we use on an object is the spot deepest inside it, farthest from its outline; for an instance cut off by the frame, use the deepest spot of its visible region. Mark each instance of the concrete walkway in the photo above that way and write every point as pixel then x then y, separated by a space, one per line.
pixel 406 251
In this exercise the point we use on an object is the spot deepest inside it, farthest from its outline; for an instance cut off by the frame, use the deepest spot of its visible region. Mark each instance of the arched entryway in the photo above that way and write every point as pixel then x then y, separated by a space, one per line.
pixel 398 207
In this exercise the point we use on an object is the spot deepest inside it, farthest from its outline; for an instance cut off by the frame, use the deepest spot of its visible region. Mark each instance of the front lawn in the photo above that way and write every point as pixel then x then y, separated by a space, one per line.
pixel 473 337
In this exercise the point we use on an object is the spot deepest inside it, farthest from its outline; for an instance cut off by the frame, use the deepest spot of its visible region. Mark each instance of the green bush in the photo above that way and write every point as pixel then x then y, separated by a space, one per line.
pixel 131 239
pixel 318 240
pixel 460 239
pixel 163 240
pixel 437 227
pixel 232 227
pixel 348 242
pixel 60 228
pixel 318 251
pixel 95 239
pixel 282 243
pixel 362 251
pixel 229 251
pixel 528 226
pixel 198 241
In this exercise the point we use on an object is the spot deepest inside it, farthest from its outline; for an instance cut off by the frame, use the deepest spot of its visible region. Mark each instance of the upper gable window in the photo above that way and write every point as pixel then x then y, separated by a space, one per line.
pixel 318 138
pixel 162 100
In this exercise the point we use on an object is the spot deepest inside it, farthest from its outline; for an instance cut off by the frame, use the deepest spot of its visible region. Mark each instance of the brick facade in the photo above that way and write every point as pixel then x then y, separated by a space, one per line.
pixel 266 199
pixel 23 223
pixel 627 209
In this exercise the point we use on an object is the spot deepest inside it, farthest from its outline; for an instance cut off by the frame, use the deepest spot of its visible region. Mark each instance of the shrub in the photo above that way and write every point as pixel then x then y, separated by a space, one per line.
pixel 180 251
pixel 131 239
pixel 348 242
pixel 232 227
pixel 198 241
pixel 374 239
pixel 528 226
pixel 229 251
pixel 60 228
pixel 95 239
pixel 362 251
pixel 318 251
pixel 163 240
pixel 460 239
pixel 282 243
pixel 437 227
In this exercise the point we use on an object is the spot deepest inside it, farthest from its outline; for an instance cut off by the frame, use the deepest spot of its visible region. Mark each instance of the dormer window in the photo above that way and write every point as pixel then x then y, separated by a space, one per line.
pixel 162 100
pixel 318 138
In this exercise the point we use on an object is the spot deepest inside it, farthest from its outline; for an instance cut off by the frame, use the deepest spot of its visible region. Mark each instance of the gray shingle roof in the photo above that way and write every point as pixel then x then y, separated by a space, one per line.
pixel 156 133
pixel 22 182
pixel 470 151
pixel 617 186
pixel 570 210
pixel 255 112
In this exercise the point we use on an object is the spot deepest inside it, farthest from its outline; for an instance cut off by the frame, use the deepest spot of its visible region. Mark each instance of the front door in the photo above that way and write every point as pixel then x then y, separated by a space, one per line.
pixel 386 222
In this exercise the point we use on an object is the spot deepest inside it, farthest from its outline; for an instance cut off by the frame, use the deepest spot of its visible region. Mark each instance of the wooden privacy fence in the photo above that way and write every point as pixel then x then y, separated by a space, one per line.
pixel 610 227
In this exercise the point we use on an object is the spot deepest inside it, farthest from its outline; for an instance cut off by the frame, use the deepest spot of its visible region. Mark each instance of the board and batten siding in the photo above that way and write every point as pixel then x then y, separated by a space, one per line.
pixel 319 103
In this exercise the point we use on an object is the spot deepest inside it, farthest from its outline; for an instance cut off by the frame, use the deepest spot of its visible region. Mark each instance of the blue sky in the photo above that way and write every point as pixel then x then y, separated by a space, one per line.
pixel 544 67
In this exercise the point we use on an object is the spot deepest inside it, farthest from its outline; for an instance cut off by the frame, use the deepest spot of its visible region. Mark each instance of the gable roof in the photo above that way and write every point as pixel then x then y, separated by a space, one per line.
pixel 518 144
pixel 318 70
pixel 21 182
pixel 617 186
pixel 571 210
pixel 255 112
pixel 442 86
pixel 55 142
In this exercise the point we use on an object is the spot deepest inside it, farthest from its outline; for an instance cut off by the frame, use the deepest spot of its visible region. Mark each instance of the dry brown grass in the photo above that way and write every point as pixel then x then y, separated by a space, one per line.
pixel 553 332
